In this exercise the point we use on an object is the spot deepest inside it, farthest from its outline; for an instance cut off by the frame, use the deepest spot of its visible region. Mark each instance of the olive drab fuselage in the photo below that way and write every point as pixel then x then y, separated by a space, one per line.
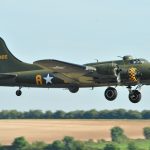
pixel 130 74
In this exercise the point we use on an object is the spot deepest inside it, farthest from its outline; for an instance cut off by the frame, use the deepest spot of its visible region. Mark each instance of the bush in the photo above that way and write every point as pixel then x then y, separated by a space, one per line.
pixel 78 145
pixel 132 146
pixel 112 147
pixel 147 132
pixel 71 144
pixel 2 147
pixel 117 135
pixel 38 146
pixel 57 145
pixel 20 144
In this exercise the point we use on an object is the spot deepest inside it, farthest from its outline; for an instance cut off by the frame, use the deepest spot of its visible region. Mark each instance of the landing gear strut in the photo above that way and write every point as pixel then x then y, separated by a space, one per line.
pixel 134 95
pixel 19 92
pixel 111 94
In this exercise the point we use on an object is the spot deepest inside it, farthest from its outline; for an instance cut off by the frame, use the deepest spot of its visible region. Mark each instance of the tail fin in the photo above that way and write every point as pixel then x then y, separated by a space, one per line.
pixel 9 63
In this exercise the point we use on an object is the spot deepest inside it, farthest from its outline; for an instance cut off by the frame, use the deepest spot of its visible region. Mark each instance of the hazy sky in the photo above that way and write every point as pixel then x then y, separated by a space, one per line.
pixel 77 31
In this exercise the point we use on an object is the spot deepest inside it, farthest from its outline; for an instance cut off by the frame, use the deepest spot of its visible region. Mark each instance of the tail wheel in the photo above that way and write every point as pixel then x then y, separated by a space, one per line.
pixel 111 94
pixel 73 88
pixel 18 92
pixel 135 96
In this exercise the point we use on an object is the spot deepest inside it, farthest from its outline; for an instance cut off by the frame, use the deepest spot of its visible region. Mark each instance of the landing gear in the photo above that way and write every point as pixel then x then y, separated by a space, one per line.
pixel 111 94
pixel 73 88
pixel 19 92
pixel 135 95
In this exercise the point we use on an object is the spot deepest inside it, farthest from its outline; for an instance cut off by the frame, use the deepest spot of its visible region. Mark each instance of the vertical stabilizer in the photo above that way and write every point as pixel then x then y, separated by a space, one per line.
pixel 9 63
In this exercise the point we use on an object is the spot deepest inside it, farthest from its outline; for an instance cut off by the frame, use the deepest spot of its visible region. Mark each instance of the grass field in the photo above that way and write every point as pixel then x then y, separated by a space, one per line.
pixel 50 130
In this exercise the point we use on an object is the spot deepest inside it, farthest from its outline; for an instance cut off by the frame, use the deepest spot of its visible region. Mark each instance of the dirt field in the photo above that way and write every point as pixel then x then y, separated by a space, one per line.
pixel 50 130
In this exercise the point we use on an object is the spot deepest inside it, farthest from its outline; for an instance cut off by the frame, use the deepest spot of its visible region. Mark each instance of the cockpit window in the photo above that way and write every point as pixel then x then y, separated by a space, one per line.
pixel 138 61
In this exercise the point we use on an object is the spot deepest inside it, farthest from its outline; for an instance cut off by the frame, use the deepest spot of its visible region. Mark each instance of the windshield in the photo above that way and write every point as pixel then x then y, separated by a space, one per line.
pixel 138 61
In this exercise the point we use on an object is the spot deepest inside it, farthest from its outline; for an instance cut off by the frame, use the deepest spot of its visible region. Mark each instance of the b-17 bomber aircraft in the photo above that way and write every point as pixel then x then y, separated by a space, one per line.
pixel 52 73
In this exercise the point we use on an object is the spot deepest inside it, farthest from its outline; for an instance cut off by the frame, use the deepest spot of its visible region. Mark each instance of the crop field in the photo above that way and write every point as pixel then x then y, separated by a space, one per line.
pixel 50 130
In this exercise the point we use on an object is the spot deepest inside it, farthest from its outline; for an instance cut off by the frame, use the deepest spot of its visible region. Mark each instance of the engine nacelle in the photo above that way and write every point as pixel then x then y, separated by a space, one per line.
pixel 130 75
pixel 106 69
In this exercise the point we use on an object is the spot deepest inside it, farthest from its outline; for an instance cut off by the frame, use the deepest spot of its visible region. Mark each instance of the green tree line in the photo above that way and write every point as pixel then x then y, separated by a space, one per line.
pixel 119 142
pixel 78 114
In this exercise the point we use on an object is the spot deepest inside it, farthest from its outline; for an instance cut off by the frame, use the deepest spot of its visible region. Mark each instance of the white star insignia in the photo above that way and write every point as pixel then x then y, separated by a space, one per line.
pixel 48 79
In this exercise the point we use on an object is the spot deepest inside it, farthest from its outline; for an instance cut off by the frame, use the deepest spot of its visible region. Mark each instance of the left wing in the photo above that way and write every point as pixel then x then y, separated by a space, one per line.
pixel 60 66
pixel 70 73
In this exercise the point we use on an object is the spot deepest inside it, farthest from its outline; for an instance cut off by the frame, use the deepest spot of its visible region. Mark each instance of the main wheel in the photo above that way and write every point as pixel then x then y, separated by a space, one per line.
pixel 73 88
pixel 18 92
pixel 135 96
pixel 111 94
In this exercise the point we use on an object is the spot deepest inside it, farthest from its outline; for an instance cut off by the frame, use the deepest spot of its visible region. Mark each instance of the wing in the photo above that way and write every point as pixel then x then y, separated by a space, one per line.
pixel 70 73
pixel 60 66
